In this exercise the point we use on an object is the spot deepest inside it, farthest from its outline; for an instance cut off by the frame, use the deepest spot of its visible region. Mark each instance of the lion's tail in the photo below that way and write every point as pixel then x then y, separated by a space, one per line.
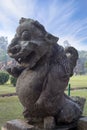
pixel 72 56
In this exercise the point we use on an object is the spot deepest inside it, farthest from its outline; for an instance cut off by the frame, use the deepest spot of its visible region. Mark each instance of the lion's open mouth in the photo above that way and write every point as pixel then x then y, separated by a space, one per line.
pixel 13 50
pixel 19 53
pixel 26 59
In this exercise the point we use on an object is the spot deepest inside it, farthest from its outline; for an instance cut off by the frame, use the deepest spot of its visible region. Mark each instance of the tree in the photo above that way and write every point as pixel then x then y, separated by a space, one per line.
pixel 86 64
pixel 3 49
pixel 3 43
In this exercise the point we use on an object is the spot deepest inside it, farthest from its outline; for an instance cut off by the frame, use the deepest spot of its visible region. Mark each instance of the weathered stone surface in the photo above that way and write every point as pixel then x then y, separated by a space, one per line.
pixel 80 101
pixel 63 129
pixel 43 70
pixel 18 125
pixel 82 123
pixel 49 122
pixel 71 126
pixel 3 128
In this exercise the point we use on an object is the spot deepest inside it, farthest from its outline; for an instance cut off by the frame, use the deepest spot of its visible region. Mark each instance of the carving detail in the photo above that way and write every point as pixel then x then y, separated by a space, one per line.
pixel 43 73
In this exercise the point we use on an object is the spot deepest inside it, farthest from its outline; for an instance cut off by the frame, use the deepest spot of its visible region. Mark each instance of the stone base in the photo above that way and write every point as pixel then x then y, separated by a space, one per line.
pixel 49 122
pixel 18 124
pixel 3 128
pixel 82 123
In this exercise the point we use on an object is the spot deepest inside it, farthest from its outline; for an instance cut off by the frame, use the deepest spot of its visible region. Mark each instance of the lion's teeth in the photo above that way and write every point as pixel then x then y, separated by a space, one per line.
pixel 19 59
pixel 10 54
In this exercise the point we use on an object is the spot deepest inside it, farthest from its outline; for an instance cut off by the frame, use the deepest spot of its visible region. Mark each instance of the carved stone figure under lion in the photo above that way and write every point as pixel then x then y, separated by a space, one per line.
pixel 43 73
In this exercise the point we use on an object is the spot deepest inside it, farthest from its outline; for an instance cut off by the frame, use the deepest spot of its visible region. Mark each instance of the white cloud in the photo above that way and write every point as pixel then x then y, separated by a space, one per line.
pixel 18 8
pixel 55 15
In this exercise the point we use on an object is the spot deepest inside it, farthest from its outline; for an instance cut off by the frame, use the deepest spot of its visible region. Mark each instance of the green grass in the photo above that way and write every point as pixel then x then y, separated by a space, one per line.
pixel 81 93
pixel 7 88
pixel 10 108
pixel 75 81
pixel 78 81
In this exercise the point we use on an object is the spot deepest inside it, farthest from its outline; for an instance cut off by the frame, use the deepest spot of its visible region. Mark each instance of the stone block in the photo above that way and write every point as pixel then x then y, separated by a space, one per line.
pixel 49 122
pixel 82 123
pixel 3 128
pixel 17 125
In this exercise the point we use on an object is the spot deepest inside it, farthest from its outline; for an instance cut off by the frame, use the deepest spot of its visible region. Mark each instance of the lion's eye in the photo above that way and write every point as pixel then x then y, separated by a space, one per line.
pixel 26 35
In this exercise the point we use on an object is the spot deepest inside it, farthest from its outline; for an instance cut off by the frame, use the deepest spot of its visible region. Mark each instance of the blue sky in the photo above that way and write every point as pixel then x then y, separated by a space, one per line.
pixel 66 19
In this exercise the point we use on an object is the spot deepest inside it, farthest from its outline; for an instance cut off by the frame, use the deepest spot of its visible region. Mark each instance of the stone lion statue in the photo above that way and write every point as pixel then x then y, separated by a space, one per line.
pixel 43 70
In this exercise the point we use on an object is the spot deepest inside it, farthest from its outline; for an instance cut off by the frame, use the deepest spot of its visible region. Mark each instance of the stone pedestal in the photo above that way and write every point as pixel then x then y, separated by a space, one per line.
pixel 49 122
pixel 18 124
pixel 82 123
pixel 3 128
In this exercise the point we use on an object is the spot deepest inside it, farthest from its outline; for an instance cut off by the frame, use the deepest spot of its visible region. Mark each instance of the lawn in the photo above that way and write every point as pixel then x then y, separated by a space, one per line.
pixel 78 81
pixel 10 107
pixel 7 88
pixel 75 81
pixel 81 93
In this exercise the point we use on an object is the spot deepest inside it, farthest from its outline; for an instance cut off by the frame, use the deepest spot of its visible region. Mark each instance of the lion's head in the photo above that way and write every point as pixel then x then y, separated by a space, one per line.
pixel 30 42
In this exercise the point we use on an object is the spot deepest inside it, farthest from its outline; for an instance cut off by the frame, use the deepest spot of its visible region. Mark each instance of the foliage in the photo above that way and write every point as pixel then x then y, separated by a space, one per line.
pixel 86 64
pixel 83 54
pixel 81 67
pixel 3 48
pixel 13 80
pixel 3 77
pixel 3 42
pixel 2 55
